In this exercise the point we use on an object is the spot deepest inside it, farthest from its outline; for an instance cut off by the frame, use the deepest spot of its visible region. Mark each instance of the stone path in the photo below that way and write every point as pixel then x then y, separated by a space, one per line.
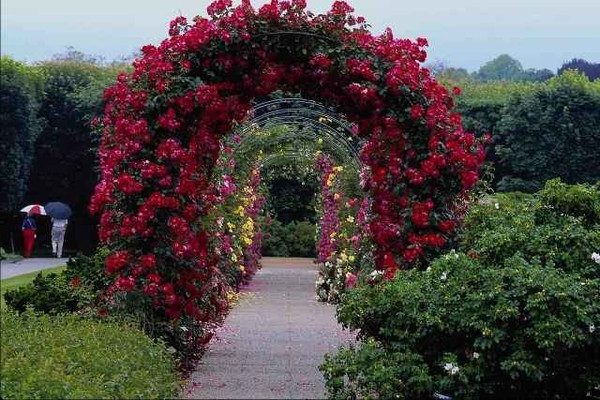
pixel 8 269
pixel 273 341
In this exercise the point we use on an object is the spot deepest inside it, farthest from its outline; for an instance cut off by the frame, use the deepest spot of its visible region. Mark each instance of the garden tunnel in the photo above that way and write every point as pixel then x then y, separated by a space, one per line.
pixel 290 137
pixel 165 124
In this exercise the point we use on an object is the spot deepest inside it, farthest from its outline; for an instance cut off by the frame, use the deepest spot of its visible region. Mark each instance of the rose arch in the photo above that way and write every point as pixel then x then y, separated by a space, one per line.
pixel 163 123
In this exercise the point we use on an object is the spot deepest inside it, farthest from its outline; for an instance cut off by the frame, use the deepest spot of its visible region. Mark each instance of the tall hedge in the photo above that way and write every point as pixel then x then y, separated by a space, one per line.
pixel 20 88
pixel 65 153
pixel 552 131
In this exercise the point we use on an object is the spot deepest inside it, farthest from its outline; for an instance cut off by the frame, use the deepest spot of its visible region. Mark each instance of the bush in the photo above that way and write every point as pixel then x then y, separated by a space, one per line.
pixel 71 357
pixel 560 228
pixel 75 288
pixel 274 242
pixel 300 239
pixel 89 270
pixel 514 315
pixel 47 293
pixel 296 239
pixel 520 330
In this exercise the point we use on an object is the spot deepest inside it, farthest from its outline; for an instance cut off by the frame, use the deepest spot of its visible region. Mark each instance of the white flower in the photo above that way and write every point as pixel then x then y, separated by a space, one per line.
pixel 451 368
pixel 497 206
pixel 475 355
pixel 183 328
pixel 444 276
pixel 596 257
pixel 376 274
pixel 452 254
pixel 592 328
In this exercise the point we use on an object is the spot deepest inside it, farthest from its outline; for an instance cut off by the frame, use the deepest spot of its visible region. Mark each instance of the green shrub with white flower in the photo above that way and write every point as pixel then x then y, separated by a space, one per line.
pixel 512 313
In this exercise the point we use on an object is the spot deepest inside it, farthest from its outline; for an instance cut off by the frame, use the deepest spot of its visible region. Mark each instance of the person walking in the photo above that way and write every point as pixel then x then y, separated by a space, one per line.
pixel 28 228
pixel 59 227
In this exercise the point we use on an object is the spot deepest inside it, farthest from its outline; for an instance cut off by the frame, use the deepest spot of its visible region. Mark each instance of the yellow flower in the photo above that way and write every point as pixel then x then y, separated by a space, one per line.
pixel 239 211
pixel 230 226
pixel 242 268
pixel 234 257
pixel 330 179
pixel 350 219
pixel 351 258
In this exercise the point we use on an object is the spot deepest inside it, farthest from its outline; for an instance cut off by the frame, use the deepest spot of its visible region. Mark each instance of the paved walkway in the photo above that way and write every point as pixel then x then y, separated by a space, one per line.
pixel 8 269
pixel 273 341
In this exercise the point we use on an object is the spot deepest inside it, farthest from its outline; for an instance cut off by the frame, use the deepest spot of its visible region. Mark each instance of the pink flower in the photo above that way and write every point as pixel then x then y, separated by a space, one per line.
pixel 351 280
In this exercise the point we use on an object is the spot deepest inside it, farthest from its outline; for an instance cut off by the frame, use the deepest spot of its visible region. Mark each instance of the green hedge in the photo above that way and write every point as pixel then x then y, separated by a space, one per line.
pixel 70 357
pixel 513 314
pixel 540 130
pixel 296 239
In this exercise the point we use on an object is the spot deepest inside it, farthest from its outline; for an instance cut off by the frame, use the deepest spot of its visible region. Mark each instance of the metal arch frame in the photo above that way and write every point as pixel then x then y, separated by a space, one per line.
pixel 295 33
pixel 306 113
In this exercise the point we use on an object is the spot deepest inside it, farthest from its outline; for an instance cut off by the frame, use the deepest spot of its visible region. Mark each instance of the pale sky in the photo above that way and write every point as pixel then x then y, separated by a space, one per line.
pixel 461 33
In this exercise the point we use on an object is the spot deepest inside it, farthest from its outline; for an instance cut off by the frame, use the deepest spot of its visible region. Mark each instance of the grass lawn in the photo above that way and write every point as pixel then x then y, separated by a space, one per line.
pixel 16 281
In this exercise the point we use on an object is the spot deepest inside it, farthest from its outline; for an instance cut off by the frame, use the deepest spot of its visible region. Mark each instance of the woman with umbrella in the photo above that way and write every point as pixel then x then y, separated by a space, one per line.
pixel 29 227
pixel 60 214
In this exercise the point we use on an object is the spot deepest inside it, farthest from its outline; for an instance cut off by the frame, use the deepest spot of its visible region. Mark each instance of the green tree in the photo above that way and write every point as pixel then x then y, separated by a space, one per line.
pixel 501 68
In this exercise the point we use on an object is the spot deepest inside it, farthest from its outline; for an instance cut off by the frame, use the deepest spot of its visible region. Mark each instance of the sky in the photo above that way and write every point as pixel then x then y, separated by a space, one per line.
pixel 461 33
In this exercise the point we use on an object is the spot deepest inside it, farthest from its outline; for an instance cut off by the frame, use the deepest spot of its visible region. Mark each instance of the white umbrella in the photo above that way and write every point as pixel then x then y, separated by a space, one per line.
pixel 34 209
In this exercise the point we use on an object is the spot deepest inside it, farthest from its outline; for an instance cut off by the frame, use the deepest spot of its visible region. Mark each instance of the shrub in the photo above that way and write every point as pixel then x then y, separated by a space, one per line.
pixel 300 239
pixel 274 242
pixel 519 330
pixel 296 239
pixel 579 201
pixel 560 228
pixel 49 293
pixel 71 357
pixel 89 270
pixel 513 315
pixel 74 289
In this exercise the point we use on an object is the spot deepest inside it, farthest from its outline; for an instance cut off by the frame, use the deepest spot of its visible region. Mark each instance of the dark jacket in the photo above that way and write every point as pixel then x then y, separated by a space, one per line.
pixel 29 223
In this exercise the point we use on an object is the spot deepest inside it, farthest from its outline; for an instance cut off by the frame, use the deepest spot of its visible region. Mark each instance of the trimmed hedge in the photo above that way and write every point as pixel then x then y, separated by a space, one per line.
pixel 70 357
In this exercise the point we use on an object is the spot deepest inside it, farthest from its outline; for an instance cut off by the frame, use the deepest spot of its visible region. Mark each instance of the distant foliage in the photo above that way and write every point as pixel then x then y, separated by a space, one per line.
pixel 589 69
pixel 291 200
pixel 506 68
pixel 540 130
